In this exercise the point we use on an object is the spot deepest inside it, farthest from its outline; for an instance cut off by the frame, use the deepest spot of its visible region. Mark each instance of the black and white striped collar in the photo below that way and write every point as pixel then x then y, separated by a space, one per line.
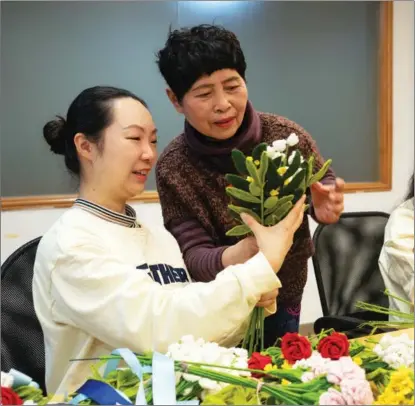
pixel 128 219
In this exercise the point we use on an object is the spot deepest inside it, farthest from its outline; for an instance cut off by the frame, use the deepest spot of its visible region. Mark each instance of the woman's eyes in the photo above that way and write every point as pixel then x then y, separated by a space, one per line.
pixel 228 88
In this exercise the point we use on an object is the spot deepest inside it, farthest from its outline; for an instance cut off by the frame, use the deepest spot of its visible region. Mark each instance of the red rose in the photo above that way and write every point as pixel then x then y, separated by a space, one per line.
pixel 258 361
pixel 9 397
pixel 295 347
pixel 334 346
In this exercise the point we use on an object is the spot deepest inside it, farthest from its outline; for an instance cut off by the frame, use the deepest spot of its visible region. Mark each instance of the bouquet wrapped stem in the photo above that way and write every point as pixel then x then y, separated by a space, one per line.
pixel 267 186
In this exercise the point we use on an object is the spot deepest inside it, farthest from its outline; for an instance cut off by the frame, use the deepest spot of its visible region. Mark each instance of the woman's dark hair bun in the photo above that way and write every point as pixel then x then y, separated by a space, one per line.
pixel 54 133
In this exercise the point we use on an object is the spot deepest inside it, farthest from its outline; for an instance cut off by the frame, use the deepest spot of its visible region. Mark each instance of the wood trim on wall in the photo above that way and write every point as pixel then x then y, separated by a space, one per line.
pixel 384 125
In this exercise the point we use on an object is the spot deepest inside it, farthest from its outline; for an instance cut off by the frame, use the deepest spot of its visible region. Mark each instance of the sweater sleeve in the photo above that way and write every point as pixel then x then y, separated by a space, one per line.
pixel 202 257
pixel 123 307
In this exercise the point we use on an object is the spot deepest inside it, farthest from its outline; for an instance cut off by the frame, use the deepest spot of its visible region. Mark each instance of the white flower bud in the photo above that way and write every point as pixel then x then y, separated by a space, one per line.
pixel 279 145
pixel 292 140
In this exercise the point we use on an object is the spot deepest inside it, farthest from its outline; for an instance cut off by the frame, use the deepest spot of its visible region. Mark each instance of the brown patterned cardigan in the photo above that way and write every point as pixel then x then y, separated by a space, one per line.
pixel 191 185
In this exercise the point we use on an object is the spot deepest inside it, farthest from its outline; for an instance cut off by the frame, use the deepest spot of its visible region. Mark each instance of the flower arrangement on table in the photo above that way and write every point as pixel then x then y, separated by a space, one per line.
pixel 324 370
pixel 267 186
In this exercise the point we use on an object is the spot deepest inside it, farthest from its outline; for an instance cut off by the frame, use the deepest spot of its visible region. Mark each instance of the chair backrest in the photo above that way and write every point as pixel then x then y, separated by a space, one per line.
pixel 346 262
pixel 22 345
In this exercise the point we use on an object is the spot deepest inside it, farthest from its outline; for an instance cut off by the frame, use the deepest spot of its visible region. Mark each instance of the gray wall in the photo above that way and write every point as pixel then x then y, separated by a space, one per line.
pixel 314 62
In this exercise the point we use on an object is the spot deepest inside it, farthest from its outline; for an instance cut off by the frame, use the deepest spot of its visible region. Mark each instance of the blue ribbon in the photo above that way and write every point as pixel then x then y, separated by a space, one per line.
pixel 21 379
pixel 164 382
pixel 100 392
pixel 131 360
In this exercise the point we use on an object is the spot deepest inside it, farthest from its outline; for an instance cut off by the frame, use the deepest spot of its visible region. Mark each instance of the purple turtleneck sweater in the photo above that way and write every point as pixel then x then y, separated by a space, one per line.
pixel 190 181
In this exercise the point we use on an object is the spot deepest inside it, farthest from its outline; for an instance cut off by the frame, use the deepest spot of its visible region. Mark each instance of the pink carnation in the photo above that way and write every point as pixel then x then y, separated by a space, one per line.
pixel 332 397
pixel 356 392
pixel 342 369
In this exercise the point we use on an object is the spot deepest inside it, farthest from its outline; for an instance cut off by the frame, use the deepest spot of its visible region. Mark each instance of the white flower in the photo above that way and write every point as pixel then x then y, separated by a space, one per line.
pixel 292 140
pixel 6 380
pixel 307 376
pixel 189 349
pixel 270 152
pixel 30 402
pixel 396 351
pixel 279 145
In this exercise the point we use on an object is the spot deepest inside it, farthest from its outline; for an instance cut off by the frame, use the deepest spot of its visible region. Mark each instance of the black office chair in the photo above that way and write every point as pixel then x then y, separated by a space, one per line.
pixel 346 268
pixel 22 346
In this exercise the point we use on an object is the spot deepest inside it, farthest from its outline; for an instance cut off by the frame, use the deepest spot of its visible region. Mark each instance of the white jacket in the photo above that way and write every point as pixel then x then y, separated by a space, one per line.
pixel 396 260
pixel 99 286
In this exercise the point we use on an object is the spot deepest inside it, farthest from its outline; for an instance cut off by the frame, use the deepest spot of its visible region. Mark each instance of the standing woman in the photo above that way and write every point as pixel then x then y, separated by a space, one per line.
pixel 204 68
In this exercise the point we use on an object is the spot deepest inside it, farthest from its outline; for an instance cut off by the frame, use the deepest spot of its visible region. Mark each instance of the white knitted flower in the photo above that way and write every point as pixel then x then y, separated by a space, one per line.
pixel 279 145
pixel 292 140
pixel 189 349
pixel 396 351
pixel 6 380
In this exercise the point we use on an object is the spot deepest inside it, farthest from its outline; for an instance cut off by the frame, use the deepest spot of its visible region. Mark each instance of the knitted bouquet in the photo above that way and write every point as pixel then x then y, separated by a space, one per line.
pixel 267 186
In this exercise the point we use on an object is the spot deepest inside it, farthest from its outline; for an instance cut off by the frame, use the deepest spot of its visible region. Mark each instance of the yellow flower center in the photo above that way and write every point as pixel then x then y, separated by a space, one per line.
pixel 281 171
pixel 256 162
pixel 357 360
pixel 274 192
pixel 249 179
pixel 249 158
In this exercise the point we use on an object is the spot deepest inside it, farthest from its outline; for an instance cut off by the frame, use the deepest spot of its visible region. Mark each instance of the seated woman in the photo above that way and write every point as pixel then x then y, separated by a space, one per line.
pixel 102 280
pixel 396 260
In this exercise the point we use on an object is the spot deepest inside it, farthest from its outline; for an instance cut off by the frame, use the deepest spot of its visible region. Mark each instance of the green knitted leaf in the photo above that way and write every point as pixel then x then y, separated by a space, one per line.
pixel 295 164
pixel 280 202
pixel 295 182
pixel 263 168
pixel 274 181
pixel 239 210
pixel 242 195
pixel 310 169
pixel 257 152
pixel 253 171
pixel 238 231
pixel 320 174
pixel 271 202
pixel 239 159
pixel 237 181
pixel 254 189
pixel 283 210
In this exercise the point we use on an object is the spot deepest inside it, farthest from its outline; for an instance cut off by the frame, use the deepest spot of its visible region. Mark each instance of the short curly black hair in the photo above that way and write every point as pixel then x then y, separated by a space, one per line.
pixel 190 53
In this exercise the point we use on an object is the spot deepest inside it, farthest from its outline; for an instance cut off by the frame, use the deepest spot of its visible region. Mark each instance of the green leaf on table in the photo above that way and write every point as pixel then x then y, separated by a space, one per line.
pixel 320 174
pixel 258 150
pixel 263 168
pixel 239 210
pixel 242 195
pixel 254 189
pixel 237 181
pixel 280 202
pixel 239 159
pixel 238 231
pixel 253 171
pixel 271 202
